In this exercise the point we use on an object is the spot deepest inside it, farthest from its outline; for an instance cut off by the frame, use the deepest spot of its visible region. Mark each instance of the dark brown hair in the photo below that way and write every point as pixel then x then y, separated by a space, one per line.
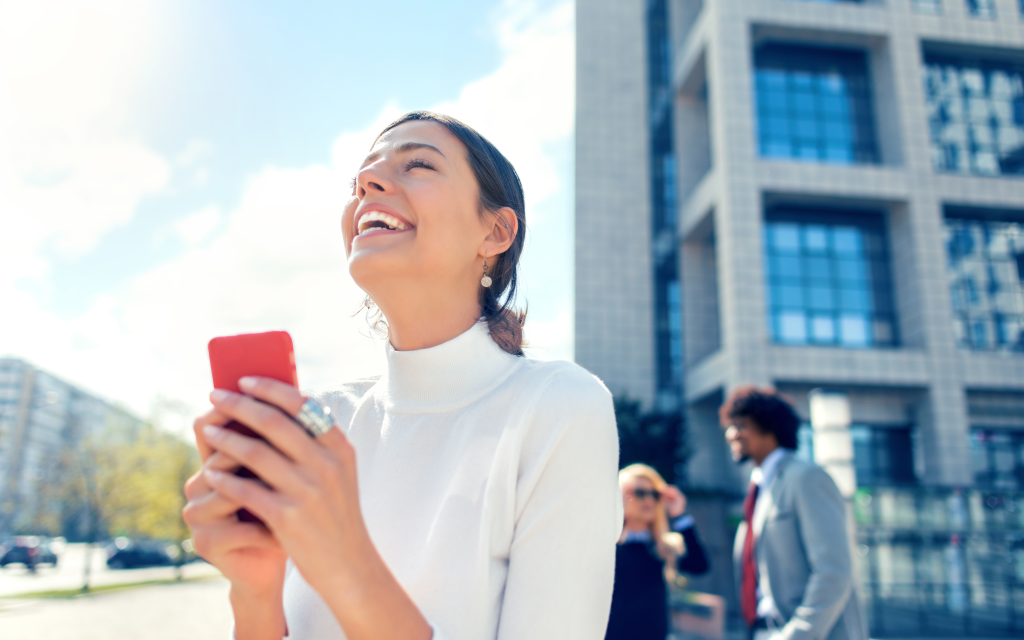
pixel 499 187
pixel 770 410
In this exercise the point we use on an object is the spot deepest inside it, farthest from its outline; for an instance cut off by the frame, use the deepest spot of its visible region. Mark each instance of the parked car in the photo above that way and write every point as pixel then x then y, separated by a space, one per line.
pixel 125 553
pixel 30 551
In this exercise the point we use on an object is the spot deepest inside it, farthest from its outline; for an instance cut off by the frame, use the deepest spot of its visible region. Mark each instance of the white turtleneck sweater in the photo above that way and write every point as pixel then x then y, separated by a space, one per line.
pixel 489 485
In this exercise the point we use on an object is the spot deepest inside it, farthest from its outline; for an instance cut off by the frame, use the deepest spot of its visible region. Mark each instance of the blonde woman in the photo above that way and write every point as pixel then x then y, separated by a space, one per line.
pixel 658 539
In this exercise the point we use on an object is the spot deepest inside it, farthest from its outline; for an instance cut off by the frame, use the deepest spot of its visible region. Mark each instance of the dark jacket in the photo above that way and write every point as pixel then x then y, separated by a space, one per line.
pixel 640 600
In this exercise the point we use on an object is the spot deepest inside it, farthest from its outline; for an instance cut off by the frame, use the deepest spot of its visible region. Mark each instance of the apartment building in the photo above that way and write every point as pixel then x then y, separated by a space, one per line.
pixel 41 419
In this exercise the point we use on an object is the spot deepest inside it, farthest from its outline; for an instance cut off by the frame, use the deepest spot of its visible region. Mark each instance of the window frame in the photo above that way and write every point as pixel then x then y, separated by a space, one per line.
pixel 874 284
pixel 810 63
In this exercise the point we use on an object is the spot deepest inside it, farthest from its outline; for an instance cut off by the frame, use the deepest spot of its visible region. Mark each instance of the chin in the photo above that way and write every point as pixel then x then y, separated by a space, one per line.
pixel 369 265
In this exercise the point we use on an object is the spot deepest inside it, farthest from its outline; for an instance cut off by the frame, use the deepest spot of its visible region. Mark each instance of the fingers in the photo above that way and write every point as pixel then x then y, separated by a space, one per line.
pixel 258 499
pixel 197 486
pixel 273 392
pixel 259 457
pixel 210 417
pixel 339 445
pixel 268 421
pixel 215 541
pixel 208 509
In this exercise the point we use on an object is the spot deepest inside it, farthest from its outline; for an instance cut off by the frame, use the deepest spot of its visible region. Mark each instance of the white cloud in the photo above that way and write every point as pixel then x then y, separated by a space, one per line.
pixel 529 102
pixel 66 175
pixel 195 228
pixel 193 152
pixel 278 261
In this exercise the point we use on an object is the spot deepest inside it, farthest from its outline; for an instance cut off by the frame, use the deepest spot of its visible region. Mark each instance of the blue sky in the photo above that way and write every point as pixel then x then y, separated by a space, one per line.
pixel 164 165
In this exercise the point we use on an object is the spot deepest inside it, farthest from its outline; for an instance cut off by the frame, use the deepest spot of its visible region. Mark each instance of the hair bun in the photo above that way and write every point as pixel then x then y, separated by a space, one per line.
pixel 506 327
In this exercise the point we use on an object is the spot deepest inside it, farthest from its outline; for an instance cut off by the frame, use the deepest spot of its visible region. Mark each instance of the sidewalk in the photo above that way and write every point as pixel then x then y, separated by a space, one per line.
pixel 195 610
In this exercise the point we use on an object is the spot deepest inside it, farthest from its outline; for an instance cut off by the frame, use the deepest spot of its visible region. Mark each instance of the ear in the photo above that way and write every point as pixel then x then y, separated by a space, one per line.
pixel 503 231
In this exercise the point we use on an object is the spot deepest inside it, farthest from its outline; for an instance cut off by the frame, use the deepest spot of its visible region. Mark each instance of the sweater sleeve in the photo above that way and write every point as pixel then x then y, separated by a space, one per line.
pixel 694 561
pixel 568 516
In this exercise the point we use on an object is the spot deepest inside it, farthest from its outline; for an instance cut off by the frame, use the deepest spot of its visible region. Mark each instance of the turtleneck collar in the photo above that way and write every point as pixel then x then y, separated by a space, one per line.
pixel 448 376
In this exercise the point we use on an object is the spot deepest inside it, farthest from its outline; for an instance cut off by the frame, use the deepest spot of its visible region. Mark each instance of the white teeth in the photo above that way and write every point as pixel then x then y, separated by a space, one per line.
pixel 379 216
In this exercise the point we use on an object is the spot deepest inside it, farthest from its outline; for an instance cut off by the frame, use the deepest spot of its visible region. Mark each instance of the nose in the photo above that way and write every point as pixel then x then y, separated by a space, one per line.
pixel 371 179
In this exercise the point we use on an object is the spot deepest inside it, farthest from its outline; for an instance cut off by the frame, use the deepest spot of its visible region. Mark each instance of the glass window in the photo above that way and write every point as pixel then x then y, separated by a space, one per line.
pixel 828 280
pixel 883 456
pixel 664 200
pixel 814 104
pixel 986 282
pixel 669 325
pixel 975 116
pixel 997 458
pixel 981 9
pixel 932 7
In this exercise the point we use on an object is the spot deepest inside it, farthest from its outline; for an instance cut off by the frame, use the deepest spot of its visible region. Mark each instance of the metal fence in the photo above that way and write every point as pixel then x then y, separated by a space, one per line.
pixel 941 562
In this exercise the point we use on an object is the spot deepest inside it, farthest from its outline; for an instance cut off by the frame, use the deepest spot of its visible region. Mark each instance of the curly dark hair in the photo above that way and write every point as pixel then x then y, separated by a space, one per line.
pixel 770 410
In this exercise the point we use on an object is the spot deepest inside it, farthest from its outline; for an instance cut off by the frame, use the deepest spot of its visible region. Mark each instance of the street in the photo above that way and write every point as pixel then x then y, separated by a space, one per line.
pixel 194 610
pixel 16 579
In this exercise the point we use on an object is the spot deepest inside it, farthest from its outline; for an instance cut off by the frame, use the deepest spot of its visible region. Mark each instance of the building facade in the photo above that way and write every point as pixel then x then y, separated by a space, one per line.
pixel 42 418
pixel 823 194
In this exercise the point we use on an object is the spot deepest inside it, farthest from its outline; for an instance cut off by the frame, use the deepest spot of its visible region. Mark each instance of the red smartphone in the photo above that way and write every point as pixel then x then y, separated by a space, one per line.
pixel 269 355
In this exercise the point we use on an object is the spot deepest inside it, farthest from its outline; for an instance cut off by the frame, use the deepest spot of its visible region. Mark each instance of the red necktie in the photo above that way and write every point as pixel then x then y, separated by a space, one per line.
pixel 748 585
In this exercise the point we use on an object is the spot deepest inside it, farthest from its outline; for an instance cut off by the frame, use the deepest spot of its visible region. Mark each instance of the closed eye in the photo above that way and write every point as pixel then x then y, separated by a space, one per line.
pixel 352 185
pixel 423 164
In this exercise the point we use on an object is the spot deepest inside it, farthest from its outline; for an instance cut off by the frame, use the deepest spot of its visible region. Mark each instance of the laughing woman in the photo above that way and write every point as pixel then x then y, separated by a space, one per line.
pixel 467 493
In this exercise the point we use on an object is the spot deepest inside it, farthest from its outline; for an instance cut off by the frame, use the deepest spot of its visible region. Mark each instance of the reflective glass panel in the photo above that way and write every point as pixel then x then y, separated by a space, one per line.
pixel 997 458
pixel 985 9
pixel 975 116
pixel 828 279
pixel 986 282
pixel 814 104
pixel 932 7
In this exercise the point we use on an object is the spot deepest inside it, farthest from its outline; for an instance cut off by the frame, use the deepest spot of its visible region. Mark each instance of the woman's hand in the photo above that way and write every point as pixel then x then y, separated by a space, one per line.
pixel 309 501
pixel 244 552
pixel 674 500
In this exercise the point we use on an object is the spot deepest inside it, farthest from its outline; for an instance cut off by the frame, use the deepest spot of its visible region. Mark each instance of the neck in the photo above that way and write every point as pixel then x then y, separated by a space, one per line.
pixel 426 317
pixel 764 456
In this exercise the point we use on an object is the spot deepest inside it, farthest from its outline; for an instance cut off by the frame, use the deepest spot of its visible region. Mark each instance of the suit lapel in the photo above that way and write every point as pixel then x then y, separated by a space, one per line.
pixel 766 499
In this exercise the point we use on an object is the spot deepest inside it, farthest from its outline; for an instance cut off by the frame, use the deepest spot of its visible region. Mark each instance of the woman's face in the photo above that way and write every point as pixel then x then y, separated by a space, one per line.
pixel 414 215
pixel 635 509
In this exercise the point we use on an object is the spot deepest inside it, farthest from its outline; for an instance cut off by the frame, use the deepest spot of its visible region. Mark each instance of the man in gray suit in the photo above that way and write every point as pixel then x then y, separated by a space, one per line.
pixel 792 553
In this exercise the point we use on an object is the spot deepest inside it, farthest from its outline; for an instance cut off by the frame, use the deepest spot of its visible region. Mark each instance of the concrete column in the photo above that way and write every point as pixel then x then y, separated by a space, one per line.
pixel 833 449
pixel 833 445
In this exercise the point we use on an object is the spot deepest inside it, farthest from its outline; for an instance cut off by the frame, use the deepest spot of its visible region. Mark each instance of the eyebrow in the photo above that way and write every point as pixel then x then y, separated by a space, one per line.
pixel 402 148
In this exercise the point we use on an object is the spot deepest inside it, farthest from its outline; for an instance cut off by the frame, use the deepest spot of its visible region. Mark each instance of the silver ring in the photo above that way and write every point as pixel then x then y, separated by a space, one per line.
pixel 315 418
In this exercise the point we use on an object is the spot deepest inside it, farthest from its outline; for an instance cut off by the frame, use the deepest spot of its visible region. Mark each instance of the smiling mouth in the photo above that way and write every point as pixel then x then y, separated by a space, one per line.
pixel 379 221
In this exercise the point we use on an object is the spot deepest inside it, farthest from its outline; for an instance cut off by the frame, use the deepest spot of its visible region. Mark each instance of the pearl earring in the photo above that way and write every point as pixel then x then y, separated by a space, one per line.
pixel 368 302
pixel 486 280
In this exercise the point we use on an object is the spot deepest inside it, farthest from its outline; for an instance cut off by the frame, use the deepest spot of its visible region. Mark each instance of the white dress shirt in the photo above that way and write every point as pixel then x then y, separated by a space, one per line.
pixel 763 476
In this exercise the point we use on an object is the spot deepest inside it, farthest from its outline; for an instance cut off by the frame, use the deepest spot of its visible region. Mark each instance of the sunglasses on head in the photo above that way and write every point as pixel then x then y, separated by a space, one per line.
pixel 642 494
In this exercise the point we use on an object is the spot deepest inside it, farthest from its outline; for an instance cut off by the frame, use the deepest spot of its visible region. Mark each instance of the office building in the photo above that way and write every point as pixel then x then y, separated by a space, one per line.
pixel 823 195
pixel 42 421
